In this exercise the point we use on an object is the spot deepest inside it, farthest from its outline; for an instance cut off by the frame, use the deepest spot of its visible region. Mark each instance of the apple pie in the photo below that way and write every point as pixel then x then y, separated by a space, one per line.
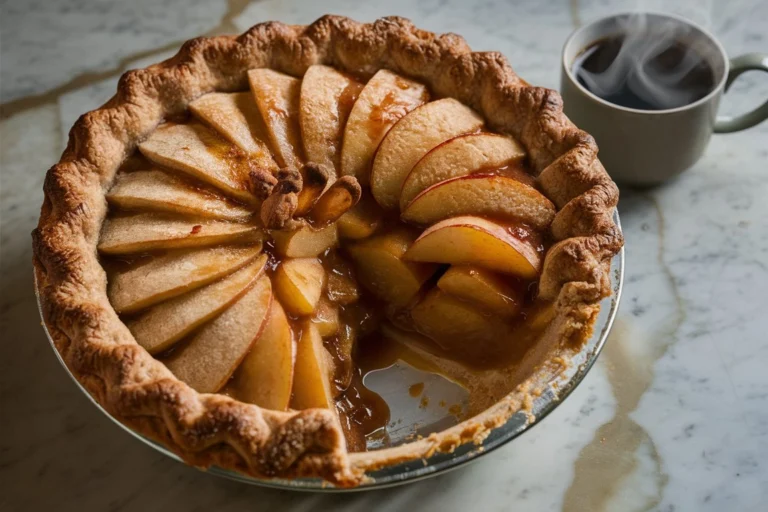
pixel 244 230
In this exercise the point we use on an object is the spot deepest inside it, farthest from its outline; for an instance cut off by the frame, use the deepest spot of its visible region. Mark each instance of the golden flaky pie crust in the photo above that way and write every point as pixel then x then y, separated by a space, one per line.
pixel 211 429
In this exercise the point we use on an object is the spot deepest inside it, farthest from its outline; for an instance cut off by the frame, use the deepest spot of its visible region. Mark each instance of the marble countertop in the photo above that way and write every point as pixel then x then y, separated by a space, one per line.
pixel 674 417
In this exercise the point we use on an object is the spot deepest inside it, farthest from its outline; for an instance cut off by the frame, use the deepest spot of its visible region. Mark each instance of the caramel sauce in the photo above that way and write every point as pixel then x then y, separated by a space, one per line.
pixel 388 111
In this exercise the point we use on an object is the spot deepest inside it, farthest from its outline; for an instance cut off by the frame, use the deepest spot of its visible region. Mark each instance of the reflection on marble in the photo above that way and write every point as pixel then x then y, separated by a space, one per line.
pixel 673 417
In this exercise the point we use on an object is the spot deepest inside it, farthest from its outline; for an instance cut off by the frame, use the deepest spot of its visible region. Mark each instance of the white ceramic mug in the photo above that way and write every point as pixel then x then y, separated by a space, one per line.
pixel 647 147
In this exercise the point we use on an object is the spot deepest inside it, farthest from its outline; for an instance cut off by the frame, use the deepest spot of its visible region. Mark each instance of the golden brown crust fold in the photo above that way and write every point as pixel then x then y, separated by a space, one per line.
pixel 213 429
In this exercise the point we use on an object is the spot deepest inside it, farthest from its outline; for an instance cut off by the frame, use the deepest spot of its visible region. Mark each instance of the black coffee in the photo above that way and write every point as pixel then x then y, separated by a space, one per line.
pixel 644 73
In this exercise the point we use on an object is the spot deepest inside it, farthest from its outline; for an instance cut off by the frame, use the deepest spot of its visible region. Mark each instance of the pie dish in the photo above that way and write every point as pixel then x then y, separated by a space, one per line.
pixel 261 218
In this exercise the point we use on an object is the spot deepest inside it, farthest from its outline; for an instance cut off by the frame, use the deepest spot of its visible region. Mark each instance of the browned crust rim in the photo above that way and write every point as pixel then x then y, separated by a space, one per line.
pixel 213 429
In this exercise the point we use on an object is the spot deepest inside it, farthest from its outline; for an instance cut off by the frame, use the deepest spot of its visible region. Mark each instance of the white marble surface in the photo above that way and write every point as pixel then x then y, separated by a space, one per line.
pixel 674 417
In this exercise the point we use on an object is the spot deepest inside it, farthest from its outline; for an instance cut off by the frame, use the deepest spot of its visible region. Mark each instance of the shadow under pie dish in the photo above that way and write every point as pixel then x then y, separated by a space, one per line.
pixel 236 238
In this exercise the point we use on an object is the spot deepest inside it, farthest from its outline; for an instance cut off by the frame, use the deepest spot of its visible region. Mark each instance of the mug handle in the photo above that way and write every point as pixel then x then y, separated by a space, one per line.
pixel 740 64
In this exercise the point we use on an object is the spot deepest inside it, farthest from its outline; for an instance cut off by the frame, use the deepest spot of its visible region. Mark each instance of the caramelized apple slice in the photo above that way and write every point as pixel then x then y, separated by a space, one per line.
pixel 411 138
pixel 477 241
pixel 194 149
pixel 380 266
pixel 312 372
pixel 362 220
pixel 500 197
pixel 236 117
pixel 385 98
pixel 277 97
pixel 299 284
pixel 265 377
pixel 159 191
pixel 327 97
pixel 164 324
pixel 486 289
pixel 326 317
pixel 148 232
pixel 337 200
pixel 167 276
pixel 305 242
pixel 211 356
pixel 460 156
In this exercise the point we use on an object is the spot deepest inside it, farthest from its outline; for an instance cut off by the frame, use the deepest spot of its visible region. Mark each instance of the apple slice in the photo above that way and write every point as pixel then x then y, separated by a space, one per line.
pixel 265 377
pixel 211 356
pixel 460 156
pixel 380 266
pixel 500 197
pixel 305 242
pixel 159 191
pixel 483 288
pixel 299 284
pixel 326 317
pixel 235 116
pixel 327 97
pixel 277 98
pixel 337 200
pixel 166 323
pixel 458 327
pixel 411 138
pixel 149 232
pixel 312 372
pixel 476 241
pixel 196 150
pixel 385 98
pixel 171 275
pixel 362 220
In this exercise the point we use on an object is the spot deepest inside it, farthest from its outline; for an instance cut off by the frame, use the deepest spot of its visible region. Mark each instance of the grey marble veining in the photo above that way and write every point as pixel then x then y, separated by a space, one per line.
pixel 674 417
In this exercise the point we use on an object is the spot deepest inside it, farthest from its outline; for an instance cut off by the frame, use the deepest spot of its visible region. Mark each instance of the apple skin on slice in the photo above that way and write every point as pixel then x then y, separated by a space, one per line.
pixel 327 97
pixel 158 328
pixel 149 232
pixel 385 98
pixel 156 190
pixel 486 289
pixel 236 116
pixel 299 284
pixel 460 156
pixel 265 377
pixel 171 275
pixel 210 357
pixel 305 242
pixel 499 197
pixel 472 240
pixel 277 97
pixel 312 387
pixel 196 150
pixel 411 138
pixel 381 268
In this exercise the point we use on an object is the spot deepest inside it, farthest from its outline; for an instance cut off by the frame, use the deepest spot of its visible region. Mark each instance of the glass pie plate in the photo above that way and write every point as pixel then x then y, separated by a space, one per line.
pixel 408 418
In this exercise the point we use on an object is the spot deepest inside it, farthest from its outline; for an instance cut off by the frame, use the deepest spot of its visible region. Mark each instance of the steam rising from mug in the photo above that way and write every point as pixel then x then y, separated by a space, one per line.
pixel 642 67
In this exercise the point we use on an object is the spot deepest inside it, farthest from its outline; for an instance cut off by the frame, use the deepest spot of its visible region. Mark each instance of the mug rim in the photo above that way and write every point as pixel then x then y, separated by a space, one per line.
pixel 714 92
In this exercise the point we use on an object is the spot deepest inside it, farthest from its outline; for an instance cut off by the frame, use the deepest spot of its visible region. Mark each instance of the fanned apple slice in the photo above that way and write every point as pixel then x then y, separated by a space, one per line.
pixel 500 197
pixel 312 372
pixel 265 377
pixel 159 191
pixel 171 275
pixel 166 323
pixel 327 97
pixel 362 220
pixel 460 156
pixel 299 284
pixel 472 240
pixel 305 242
pixel 149 232
pixel 198 151
pixel 385 98
pixel 380 266
pixel 211 356
pixel 411 138
pixel 484 288
pixel 277 97
pixel 236 116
